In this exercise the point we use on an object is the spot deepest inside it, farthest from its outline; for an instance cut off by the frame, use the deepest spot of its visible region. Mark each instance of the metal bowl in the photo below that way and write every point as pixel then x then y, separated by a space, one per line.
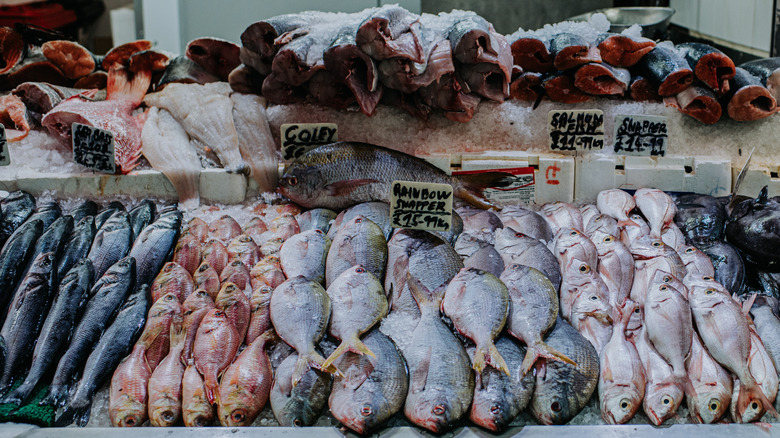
pixel 653 20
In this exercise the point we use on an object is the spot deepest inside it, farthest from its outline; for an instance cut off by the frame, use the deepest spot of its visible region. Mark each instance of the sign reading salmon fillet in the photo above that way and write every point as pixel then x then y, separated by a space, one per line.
pixel 421 206
pixel 93 148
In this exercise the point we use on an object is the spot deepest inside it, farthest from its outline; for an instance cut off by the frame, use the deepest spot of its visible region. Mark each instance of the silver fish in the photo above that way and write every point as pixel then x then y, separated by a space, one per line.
pixel 305 254
pixel 516 247
pixel 299 405
pixel 359 242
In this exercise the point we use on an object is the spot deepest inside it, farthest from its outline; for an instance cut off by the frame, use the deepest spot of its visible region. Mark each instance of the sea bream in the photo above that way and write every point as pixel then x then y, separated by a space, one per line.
pixel 298 405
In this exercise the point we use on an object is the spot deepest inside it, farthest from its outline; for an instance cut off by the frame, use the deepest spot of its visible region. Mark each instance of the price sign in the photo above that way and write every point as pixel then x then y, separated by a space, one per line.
pixel 576 130
pixel 93 148
pixel 5 156
pixel 299 138
pixel 421 206
pixel 521 189
pixel 641 135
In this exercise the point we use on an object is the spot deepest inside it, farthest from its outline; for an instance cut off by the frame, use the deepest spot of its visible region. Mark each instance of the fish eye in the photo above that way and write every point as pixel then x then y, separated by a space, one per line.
pixel 238 416
pixel 168 416
pixel 690 250
pixel 360 270
pixel 556 407
pixel 714 405
pixel 291 181
pixel 130 421
pixel 584 268
pixel 438 410
pixel 358 220
pixel 366 411
pixel 663 288
pixel 266 289
pixel 608 239
pixel 495 409
pixel 707 278
pixel 170 297
pixel 594 298
pixel 598 218
pixel 666 400
pixel 518 234
pixel 637 311
pixel 297 422
pixel 754 406
pixel 709 291
pixel 667 278
pixel 573 233
pixel 204 267
pixel 624 404
pixel 318 231
pixel 656 244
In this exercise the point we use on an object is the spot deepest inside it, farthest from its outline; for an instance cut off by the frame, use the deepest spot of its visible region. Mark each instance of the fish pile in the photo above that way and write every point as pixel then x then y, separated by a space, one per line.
pixel 75 294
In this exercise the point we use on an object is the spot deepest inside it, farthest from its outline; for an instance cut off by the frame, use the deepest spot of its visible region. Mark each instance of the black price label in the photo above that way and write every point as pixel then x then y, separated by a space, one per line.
pixel 641 135
pixel 577 130
pixel 93 148
pixel 299 138
pixel 5 156
pixel 421 206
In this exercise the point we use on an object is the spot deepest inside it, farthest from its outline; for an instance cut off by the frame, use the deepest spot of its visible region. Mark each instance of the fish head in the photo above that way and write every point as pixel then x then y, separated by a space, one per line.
pixel 197 300
pixel 510 238
pixel 432 411
pixel 635 322
pixel 200 417
pixel 647 247
pixel 360 412
pixel 661 401
pixel 710 406
pixel 591 302
pixel 605 243
pixel 604 223
pixel 302 184
pixel 620 403
pixel 490 413
pixel 707 293
pixel 233 413
pixel 550 407
pixel 167 414
pixel 127 412
pixel 579 273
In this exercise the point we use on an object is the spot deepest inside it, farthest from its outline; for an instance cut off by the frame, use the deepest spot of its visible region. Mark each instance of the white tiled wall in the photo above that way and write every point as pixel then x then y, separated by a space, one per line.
pixel 745 22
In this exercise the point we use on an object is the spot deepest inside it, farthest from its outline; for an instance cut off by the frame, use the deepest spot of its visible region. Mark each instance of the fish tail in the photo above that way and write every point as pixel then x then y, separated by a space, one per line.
pixel 178 332
pixel 20 394
pixel 211 389
pixel 748 395
pixel 56 396
pixel 316 361
pixel 422 294
pixel 121 86
pixel 469 187
pixel 77 411
pixel 354 345
pixel 540 349
pixel 489 355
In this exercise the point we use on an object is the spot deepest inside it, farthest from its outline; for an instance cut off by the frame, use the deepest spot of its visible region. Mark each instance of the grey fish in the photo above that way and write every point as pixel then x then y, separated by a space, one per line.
pixel 499 398
pixel 425 256
pixel 305 254
pixel 728 263
pixel 47 212
pixel 480 223
pixel 86 208
pixel 456 227
pixel 15 255
pixel 302 404
pixel 141 216
pixel 57 328
pixel 105 299
pixel 26 314
pixel 487 259
pixel 441 384
pixel 374 389
pixel 516 247
pixel 527 222
pixel 155 245
pixel 53 240
pixel 562 390
pixel 112 347
pixel 701 218
pixel 359 242
pixel 376 212
pixel 316 218
pixel 104 214
pixel 17 207
pixel 111 243
pixel 76 245
pixel 753 228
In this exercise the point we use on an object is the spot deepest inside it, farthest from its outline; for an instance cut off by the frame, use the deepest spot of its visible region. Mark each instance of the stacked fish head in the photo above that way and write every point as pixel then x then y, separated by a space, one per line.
pixel 583 286
pixel 661 278
pixel 620 403
pixel 704 291
pixel 562 215
pixel 710 403
pixel 647 247
pixel 359 410
pixel 662 400
pixel 571 243
pixel 602 223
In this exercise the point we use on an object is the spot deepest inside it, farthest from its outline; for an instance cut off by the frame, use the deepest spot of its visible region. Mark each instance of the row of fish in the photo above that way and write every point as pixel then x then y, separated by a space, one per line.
pixel 78 286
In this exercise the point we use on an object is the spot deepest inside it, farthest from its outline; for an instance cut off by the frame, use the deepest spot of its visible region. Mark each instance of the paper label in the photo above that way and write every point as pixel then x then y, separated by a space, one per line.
pixel 646 136
pixel 299 138
pixel 93 148
pixel 576 130
pixel 522 189
pixel 5 156
pixel 421 206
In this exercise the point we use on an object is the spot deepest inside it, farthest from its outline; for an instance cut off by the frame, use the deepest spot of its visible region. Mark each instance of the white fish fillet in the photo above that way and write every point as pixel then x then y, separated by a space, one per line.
pixel 167 147
pixel 206 113
pixel 255 141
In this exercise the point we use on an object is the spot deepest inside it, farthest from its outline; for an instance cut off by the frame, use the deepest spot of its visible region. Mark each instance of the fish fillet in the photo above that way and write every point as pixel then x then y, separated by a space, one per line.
pixel 255 141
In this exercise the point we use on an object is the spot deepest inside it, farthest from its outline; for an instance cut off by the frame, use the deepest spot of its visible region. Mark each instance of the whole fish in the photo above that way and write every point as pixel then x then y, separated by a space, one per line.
pixel 216 343
pixel 763 370
pixel 271 246
pixel 174 279
pixel 246 384
pixel 657 207
pixel 56 330
pixel 562 389
pixel 235 304
pixel 767 327
pixel 701 218
pixel 441 383
pixel 499 398
pixel 517 248
pixel 165 383
pixel 104 301
pixel 316 219
pixel 358 303
pixel 600 225
pixel 300 310
pixel 571 244
pixel 77 245
pixel 245 249
pixel 141 216
pixel 663 393
pixel 669 326
pixel 562 215
pixel 622 377
pixel 235 272
pixel 267 271
pixel 712 385
pixel 53 240
pixel 591 315
pixel 104 214
pixel 162 313
pixel 196 411
pixel 376 212
pixel 113 345
pixel 14 257
pixel 26 316
pixel 305 254
pixel 86 208
pixel 215 254
pixel 374 389
pixel 193 309
pixel 527 222
pixel 302 404
pixel 750 228
pixel 533 309
pixel 47 212
pixel 478 303
pixel 335 176
pixel 155 245
pixel 16 207
pixel 260 312
pixel 206 278
pixel 359 242
pixel 617 204
pixel 187 252
pixel 198 228
pixel 616 267
pixel 111 243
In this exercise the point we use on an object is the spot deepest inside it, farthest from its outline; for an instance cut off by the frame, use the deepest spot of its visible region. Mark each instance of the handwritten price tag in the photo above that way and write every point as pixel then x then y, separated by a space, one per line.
pixel 5 156
pixel 577 130
pixel 93 148
pixel 421 206
pixel 641 135
pixel 299 138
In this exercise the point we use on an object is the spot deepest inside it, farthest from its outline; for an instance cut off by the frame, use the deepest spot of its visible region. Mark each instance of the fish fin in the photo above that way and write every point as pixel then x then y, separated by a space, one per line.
pixel 420 374
pixel 178 333
pixel 356 377
pixel 540 349
pixel 341 188
pixel 316 361
pixel 606 369
pixel 121 86
pixel 422 294
pixel 748 303
pixel 489 356
pixel 354 344
pixel 469 187
pixel 74 412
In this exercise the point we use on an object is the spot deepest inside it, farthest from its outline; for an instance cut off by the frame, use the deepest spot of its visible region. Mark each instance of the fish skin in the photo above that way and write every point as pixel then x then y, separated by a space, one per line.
pixel 634 230
pixel 53 240
pixel 187 252
pixel 302 404
pixel 572 244
pixel 224 229
pixel 663 393
pixel 527 222
pixel 14 257
pixel 768 328
pixel 487 259
pixel 206 278
pixel 86 208
pixel 154 246
pixel 762 369
pixel 477 303
pixel 562 215
pixel 622 378
pixel 284 226
pixel 26 315
pixel 267 271
pixel 198 228
pixel 359 242
pixel 600 225
pixel 517 248
pixel 57 328
pixel 194 309
pixel 245 249
pixel 591 315
pixel 701 218
pixel 316 218
pixel 173 278
pixel 195 408
pixel 481 224
pixel 162 313
pixel 246 384
pixel 17 208
pixel 616 267
pixel 235 272
pixel 260 312
pixel 666 69
pixel 216 343
pixel 499 398
pixel 103 215
pixel 669 326
pixel 215 254
pixel 712 385
pixel 672 236
pixel 748 98
pixel 441 384
pixel 300 310
pixel 235 304
pixel 114 344
pixel 358 303
pixel 561 389
pixel 141 216
pixel 254 228
pixel 271 246
pixel 104 301
pixel 77 245
pixel 165 383
pixel 128 393
pixel 728 263
pixel 374 389
pixel 112 242
pixel 658 207
pixel 47 212
pixel 255 141
pixel 305 254
pixel 377 212
pixel 580 278
pixel 696 261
